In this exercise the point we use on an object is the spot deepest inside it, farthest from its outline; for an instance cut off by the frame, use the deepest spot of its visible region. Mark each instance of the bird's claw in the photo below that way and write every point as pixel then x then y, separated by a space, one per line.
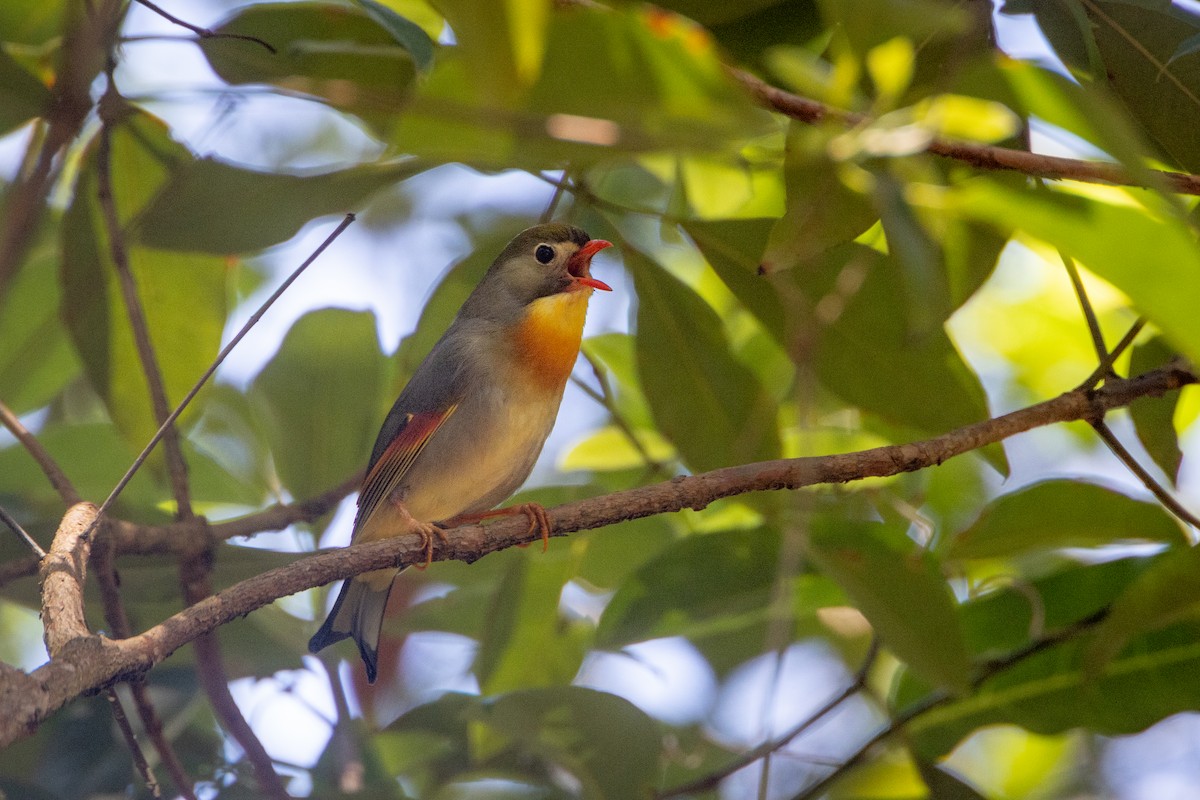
pixel 427 531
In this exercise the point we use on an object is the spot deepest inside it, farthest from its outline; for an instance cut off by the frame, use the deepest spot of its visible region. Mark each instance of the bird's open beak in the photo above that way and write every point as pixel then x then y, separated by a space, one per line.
pixel 580 265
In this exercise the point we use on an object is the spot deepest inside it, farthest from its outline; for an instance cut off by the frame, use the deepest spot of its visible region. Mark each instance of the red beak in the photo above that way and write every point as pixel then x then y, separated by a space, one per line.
pixel 580 265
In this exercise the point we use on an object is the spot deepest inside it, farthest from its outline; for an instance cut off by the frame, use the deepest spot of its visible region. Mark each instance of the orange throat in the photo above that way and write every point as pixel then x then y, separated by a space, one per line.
pixel 548 337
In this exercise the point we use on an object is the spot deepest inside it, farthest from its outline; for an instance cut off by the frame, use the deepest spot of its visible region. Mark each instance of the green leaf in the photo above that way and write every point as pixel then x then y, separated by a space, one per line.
pixel 583 732
pixel 699 586
pixel 707 403
pixel 1050 692
pixel 336 53
pixel 810 225
pixel 1149 255
pixel 36 357
pixel 22 96
pixel 1134 49
pixel 1154 417
pixel 609 81
pixel 898 587
pixel 1163 595
pixel 183 295
pixel 31 22
pixel 871 356
pixel 525 642
pixel 1062 513
pixel 213 207
pixel 319 397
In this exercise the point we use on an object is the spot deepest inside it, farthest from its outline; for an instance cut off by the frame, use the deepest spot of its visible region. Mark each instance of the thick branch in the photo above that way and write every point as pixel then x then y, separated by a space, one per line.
pixel 981 156
pixel 95 662
pixel 63 572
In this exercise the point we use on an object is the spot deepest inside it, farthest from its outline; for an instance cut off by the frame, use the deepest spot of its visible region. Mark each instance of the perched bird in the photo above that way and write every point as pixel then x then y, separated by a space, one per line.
pixel 468 427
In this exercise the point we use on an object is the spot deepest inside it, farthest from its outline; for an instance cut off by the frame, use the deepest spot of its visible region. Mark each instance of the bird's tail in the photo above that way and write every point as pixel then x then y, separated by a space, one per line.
pixel 358 613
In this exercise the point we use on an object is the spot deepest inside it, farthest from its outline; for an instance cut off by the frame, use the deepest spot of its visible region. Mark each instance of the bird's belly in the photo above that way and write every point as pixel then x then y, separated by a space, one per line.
pixel 477 463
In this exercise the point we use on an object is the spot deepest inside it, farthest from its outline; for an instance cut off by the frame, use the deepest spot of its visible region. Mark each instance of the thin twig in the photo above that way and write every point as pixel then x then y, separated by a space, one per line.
pixel 552 206
pixel 710 781
pixel 58 479
pixel 250 323
pixel 139 758
pixel 1089 313
pixel 12 523
pixel 140 328
pixel 1105 367
pixel 104 566
pixel 1147 480
pixel 205 33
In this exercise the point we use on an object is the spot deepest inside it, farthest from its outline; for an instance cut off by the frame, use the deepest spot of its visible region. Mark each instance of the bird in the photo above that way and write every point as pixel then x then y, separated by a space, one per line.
pixel 467 428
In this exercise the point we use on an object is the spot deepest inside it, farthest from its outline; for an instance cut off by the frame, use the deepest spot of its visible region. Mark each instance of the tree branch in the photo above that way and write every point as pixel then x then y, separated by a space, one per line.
pixel 977 155
pixel 91 662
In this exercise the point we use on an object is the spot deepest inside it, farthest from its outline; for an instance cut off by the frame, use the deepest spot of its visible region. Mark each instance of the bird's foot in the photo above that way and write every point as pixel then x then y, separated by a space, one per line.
pixel 539 520
pixel 427 530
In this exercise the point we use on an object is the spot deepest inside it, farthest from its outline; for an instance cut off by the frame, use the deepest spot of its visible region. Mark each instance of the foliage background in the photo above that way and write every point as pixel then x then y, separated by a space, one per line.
pixel 905 295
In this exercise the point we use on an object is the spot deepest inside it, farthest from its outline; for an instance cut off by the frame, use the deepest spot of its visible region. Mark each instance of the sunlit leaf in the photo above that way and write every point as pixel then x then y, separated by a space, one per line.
pixel 1149 256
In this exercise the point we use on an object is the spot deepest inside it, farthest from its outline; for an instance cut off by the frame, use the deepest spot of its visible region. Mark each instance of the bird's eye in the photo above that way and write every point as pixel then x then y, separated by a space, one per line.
pixel 544 253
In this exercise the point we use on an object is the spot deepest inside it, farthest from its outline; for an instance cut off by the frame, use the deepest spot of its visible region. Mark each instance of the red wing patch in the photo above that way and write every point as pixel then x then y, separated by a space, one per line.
pixel 395 461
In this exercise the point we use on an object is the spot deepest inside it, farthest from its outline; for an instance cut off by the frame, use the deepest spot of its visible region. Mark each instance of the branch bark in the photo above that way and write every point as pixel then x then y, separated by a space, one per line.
pixel 85 663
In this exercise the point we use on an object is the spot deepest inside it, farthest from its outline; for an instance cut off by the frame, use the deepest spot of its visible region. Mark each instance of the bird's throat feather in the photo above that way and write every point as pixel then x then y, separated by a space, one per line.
pixel 549 335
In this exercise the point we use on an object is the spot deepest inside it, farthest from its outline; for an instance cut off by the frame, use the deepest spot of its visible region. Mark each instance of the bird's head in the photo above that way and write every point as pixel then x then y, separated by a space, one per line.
pixel 541 261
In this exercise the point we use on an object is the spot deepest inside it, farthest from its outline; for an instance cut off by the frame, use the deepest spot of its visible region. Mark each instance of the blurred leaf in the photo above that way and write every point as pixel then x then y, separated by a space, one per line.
pixel 623 80
pixel 1164 594
pixel 319 396
pixel 1062 513
pixel 898 587
pixel 711 406
pixel 213 207
pixel 31 22
pixel 408 34
pixel 698 586
pixel 924 288
pixel 1149 256
pixel 502 43
pixel 822 211
pixel 525 641
pixel 871 357
pixel 36 357
pixel 611 555
pixel 336 53
pixel 183 295
pixel 22 96
pixel 584 732
pixel 609 449
pixel 1154 417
